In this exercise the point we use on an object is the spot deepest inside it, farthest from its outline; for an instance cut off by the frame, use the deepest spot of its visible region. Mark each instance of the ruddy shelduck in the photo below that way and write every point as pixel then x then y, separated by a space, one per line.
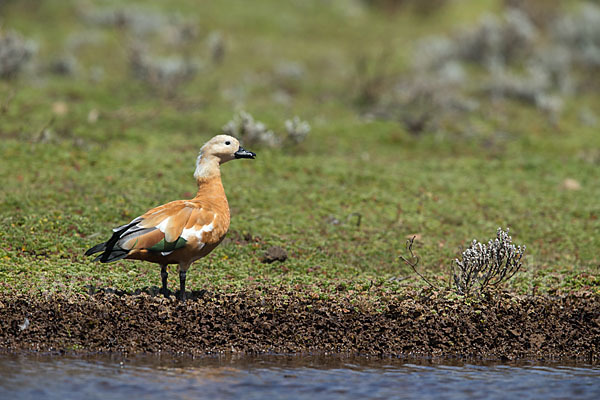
pixel 182 231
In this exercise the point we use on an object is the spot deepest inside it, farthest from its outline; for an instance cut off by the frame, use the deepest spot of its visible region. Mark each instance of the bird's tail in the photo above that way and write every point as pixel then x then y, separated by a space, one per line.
pixel 96 249
pixel 109 250
pixel 107 254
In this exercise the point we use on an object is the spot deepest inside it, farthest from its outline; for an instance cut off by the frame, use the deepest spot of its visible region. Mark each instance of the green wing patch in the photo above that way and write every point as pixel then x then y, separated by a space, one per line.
pixel 165 246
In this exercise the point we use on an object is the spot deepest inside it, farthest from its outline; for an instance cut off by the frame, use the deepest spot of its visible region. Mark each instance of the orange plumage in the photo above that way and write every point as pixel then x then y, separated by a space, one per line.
pixel 182 231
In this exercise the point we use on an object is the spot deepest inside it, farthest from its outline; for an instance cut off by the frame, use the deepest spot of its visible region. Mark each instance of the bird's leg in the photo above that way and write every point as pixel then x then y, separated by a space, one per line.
pixel 164 275
pixel 182 274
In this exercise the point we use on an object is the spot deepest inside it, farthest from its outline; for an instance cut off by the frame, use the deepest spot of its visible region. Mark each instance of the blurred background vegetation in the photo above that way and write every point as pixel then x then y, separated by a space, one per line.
pixel 374 121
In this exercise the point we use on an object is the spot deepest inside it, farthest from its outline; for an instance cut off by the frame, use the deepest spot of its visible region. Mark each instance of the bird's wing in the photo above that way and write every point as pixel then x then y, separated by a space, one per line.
pixel 168 227
pixel 163 230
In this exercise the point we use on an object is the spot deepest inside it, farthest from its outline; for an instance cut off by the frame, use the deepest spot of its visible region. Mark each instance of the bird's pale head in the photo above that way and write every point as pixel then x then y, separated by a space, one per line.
pixel 219 150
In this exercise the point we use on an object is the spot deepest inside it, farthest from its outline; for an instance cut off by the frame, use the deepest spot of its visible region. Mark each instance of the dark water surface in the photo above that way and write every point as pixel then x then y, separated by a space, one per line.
pixel 285 377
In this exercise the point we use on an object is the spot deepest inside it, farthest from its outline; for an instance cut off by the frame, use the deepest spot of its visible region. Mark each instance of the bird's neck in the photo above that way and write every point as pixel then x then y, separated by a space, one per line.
pixel 207 168
pixel 210 186
pixel 208 178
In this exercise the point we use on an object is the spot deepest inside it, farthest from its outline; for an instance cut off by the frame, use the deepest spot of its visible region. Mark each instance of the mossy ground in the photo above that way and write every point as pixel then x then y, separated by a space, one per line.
pixel 416 323
pixel 68 178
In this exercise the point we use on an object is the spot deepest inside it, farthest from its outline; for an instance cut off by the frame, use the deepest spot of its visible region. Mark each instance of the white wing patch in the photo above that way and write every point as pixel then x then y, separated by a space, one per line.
pixel 163 225
pixel 189 233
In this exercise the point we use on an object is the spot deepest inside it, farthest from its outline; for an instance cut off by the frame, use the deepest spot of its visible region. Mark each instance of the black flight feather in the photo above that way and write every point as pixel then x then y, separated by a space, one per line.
pixel 96 249
pixel 109 252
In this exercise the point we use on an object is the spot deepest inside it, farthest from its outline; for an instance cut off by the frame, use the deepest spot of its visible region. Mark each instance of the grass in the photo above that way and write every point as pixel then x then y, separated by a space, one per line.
pixel 63 190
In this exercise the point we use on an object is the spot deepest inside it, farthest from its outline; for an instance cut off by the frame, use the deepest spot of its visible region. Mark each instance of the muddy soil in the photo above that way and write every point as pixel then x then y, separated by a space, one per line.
pixel 502 326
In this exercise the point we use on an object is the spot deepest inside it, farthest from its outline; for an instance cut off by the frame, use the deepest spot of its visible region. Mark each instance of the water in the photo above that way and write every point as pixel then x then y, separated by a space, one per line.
pixel 285 377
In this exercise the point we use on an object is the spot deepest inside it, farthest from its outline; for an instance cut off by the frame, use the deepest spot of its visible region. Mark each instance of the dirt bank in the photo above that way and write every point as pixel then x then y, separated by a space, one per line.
pixel 503 326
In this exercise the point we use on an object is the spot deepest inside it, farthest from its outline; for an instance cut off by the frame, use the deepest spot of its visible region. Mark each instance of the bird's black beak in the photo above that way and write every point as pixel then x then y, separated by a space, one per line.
pixel 243 153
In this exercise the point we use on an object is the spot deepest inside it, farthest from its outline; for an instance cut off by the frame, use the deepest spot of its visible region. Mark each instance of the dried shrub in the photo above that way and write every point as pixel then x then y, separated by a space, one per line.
pixel 579 33
pixel 169 36
pixel 427 103
pixel 166 73
pixel 142 22
pixel 15 52
pixel 297 130
pixel 216 47
pixel 494 43
pixel 483 265
pixel 424 7
pixel 288 76
pixel 541 12
pixel 508 57
pixel 252 132
pixel 440 89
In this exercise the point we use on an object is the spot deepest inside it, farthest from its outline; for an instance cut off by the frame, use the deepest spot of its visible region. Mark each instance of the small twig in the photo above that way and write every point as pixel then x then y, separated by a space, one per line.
pixel 413 265
pixel 40 134
pixel 7 101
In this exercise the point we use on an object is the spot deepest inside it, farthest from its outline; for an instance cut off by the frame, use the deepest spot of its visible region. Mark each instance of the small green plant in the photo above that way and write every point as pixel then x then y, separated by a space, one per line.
pixel 482 265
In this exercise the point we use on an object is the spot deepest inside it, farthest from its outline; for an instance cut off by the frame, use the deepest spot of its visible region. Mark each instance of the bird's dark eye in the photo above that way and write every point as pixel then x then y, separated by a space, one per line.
pixel 228 143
